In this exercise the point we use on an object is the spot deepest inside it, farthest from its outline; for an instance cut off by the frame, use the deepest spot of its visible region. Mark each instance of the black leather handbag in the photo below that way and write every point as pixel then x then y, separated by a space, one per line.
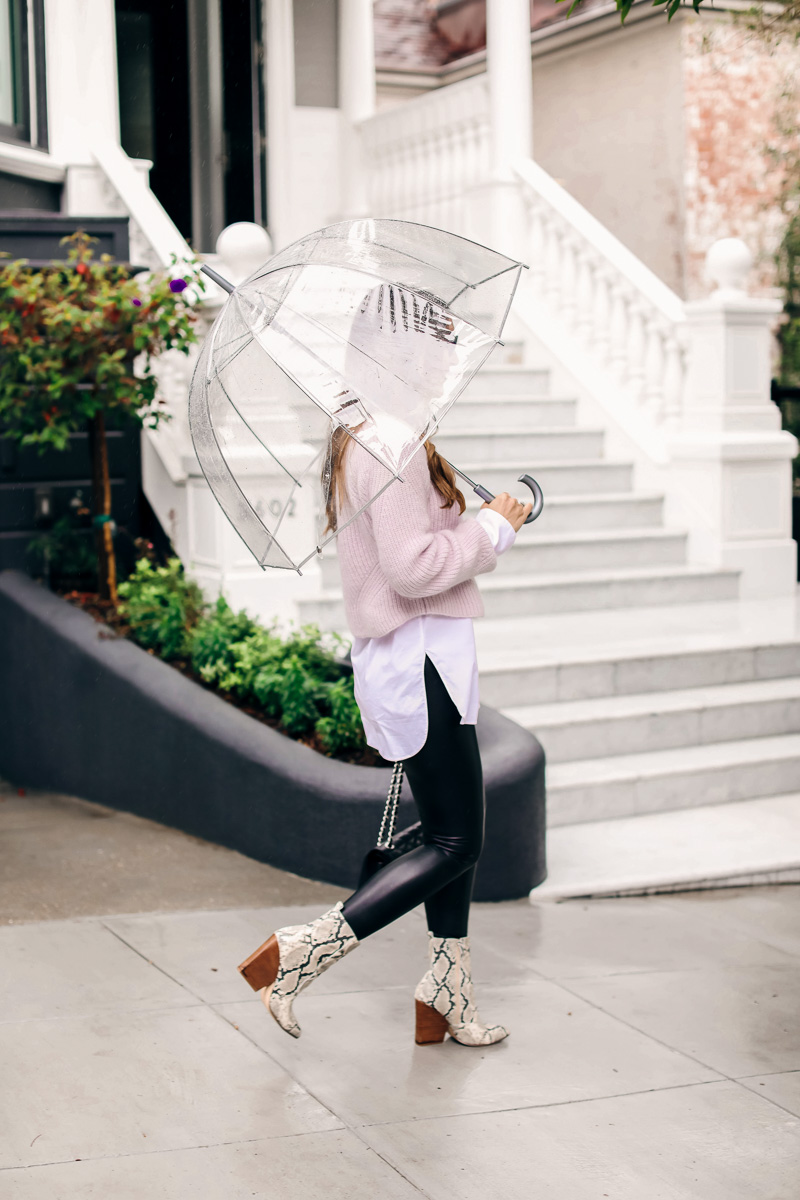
pixel 389 846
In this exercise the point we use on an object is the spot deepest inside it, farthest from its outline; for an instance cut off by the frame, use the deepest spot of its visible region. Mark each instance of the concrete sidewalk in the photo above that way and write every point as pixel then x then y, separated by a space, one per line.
pixel 654 1055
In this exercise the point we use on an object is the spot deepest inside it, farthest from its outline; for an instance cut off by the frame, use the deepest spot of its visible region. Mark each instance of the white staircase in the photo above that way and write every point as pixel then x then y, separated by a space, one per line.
pixel 598 544
pixel 652 686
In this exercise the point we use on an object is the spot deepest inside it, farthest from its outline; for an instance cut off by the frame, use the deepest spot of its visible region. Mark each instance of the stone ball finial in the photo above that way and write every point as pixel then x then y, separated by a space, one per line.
pixel 728 264
pixel 243 247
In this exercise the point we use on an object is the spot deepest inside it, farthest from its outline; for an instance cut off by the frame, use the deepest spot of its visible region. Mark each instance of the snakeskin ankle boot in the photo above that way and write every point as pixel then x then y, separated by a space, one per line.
pixel 444 998
pixel 292 958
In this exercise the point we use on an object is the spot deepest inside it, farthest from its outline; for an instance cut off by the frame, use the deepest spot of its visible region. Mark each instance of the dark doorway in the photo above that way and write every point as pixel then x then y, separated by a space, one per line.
pixel 153 66
pixel 243 105
pixel 158 76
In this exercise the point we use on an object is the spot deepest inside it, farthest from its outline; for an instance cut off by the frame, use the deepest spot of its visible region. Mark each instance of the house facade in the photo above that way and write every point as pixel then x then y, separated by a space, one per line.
pixel 638 173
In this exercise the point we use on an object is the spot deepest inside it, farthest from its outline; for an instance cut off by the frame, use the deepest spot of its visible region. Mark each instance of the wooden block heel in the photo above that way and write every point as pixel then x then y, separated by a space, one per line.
pixel 261 968
pixel 431 1025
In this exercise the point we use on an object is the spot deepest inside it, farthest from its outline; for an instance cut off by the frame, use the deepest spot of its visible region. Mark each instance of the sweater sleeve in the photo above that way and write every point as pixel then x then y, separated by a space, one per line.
pixel 416 560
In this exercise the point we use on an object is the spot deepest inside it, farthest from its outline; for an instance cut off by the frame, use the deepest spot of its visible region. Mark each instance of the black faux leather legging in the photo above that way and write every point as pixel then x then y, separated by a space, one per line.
pixel 446 780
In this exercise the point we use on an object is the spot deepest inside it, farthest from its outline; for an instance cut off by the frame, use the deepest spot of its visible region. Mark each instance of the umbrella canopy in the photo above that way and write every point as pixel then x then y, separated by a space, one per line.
pixel 366 329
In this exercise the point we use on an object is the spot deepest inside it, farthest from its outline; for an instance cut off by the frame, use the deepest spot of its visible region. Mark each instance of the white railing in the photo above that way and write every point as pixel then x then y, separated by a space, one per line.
pixel 604 297
pixel 429 160
pixel 425 157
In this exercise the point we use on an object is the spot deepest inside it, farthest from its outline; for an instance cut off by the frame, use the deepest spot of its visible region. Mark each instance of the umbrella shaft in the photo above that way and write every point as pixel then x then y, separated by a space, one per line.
pixel 483 492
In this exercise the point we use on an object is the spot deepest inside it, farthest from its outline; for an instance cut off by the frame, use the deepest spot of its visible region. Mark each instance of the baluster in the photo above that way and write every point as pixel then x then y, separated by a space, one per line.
pixel 601 314
pixel 618 331
pixel 449 175
pixel 654 366
pixel 583 295
pixel 635 348
pixel 537 243
pixel 552 262
pixel 569 305
pixel 674 377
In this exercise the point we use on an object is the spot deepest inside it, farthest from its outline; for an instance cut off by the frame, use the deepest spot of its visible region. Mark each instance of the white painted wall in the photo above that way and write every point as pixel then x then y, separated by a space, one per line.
pixel 313 175
pixel 608 125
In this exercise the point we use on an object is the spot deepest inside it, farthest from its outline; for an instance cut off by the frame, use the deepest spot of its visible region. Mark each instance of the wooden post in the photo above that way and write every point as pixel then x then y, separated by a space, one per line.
pixel 101 519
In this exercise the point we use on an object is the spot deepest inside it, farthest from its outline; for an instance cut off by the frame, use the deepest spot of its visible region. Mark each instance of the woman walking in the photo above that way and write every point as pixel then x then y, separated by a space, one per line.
pixel 408 564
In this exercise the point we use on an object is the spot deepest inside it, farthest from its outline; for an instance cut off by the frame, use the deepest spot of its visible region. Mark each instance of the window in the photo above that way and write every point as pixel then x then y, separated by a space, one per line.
pixel 22 95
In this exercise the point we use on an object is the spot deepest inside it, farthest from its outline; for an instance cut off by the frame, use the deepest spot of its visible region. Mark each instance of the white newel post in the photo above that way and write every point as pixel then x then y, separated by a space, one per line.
pixel 729 452
pixel 356 98
pixel 216 555
pixel 279 91
pixel 82 97
pixel 508 53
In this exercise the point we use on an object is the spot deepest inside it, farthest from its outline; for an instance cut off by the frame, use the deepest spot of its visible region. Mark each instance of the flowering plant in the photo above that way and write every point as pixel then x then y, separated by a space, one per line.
pixel 69 335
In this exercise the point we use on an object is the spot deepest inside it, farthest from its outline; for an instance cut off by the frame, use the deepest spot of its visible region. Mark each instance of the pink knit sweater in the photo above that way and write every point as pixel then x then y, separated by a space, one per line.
pixel 405 555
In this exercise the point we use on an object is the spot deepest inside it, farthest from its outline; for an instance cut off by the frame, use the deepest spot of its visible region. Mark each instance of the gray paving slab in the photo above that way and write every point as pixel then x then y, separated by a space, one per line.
pixel 335 1165
pixel 118 862
pixel 129 1082
pixel 782 1088
pixel 357 1054
pixel 66 968
pixel 740 1021
pixel 124 1075
pixel 711 1142
pixel 202 950
pixel 771 914
pixel 613 936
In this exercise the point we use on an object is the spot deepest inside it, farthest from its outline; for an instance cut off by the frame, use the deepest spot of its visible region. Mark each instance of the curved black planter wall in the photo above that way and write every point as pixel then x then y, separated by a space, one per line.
pixel 94 716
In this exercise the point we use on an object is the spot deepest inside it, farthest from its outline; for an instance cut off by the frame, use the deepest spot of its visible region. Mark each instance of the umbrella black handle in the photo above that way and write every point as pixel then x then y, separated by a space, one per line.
pixel 529 481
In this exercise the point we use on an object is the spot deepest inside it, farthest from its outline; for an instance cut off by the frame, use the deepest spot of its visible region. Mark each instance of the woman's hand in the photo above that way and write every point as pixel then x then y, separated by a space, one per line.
pixel 513 511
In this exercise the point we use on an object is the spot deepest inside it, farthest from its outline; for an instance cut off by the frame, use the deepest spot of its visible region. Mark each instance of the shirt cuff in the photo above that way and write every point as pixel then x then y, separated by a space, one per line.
pixel 501 532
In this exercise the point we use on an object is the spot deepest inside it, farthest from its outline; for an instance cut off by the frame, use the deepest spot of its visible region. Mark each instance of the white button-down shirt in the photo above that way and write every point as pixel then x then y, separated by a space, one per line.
pixel 388 672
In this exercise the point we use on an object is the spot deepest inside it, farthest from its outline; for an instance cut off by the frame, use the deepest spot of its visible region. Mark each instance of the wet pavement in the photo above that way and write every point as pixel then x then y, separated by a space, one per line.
pixel 654 1049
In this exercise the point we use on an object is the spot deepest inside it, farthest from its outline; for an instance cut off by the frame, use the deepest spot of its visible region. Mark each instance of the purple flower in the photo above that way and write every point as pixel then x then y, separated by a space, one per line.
pixel 177 285
pixel 138 303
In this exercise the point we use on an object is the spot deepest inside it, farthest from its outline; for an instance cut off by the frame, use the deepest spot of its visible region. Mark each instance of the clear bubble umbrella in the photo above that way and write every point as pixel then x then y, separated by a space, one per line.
pixel 367 329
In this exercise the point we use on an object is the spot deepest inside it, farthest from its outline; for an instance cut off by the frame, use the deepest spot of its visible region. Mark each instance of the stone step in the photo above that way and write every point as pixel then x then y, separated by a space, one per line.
pixel 554 674
pixel 530 595
pixel 585 591
pixel 662 780
pixel 535 552
pixel 529 448
pixel 638 723
pixel 510 380
pixel 723 845
pixel 562 552
pixel 519 412
pixel 567 477
pixel 578 514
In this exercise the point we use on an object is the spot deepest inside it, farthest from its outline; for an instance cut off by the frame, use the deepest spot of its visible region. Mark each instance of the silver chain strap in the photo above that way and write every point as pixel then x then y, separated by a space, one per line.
pixel 390 811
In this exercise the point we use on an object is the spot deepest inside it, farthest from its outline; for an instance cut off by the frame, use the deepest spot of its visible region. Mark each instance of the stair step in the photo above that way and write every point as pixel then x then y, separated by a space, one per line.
pixel 564 477
pixel 613 725
pixel 579 514
pixel 534 553
pixel 661 780
pixel 510 380
pixel 540 553
pixel 521 412
pixel 531 447
pixel 515 676
pixel 724 845
pixel 531 595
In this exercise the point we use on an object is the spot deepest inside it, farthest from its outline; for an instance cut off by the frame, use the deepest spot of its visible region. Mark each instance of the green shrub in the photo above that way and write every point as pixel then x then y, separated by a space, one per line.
pixel 213 651
pixel 162 607
pixel 64 555
pixel 294 679
pixel 342 731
